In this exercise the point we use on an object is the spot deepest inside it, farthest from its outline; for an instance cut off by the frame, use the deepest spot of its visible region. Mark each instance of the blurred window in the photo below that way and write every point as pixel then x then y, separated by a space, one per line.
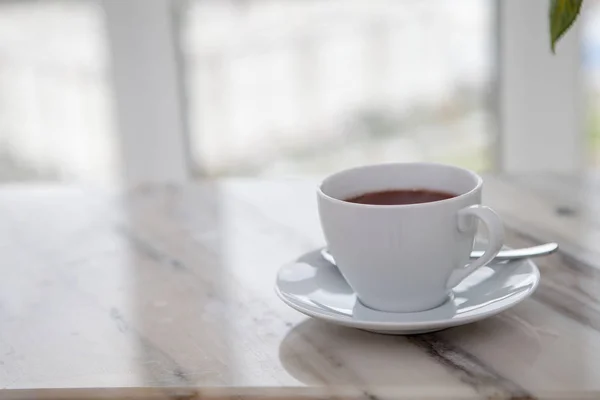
pixel 591 68
pixel 305 87
pixel 55 105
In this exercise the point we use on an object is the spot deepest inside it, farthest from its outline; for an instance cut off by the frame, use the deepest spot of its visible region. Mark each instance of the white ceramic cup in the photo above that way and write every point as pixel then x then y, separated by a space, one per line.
pixel 406 258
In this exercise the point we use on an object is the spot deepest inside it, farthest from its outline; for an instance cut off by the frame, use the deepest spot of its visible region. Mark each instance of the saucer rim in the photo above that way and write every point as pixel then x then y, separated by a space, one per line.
pixel 348 320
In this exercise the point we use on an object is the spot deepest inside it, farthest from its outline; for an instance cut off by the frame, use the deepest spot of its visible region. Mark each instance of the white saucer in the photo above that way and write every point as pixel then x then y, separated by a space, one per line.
pixel 316 288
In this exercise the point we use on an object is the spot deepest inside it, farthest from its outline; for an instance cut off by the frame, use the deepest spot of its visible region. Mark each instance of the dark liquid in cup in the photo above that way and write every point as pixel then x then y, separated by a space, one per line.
pixel 396 197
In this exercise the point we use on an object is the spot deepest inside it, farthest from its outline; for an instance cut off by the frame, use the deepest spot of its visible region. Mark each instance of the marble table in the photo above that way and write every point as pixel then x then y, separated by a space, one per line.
pixel 167 292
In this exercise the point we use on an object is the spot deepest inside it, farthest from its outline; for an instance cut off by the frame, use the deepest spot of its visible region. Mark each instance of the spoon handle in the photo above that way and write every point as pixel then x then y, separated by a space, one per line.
pixel 527 252
pixel 503 255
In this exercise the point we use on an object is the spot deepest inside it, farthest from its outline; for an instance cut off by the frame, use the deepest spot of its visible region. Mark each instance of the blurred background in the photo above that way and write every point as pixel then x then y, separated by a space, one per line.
pixel 262 87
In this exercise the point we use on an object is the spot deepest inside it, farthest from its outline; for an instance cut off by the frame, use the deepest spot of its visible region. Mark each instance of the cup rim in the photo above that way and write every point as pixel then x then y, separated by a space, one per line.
pixel 478 180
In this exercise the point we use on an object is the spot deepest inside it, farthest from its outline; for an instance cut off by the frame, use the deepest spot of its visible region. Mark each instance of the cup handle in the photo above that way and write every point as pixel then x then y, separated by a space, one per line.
pixel 495 231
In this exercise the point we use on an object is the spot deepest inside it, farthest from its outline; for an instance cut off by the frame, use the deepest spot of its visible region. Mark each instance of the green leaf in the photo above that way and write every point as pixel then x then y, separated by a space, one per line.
pixel 562 15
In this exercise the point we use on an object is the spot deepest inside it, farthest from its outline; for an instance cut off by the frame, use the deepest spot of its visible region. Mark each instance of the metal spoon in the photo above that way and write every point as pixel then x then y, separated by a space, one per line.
pixel 503 255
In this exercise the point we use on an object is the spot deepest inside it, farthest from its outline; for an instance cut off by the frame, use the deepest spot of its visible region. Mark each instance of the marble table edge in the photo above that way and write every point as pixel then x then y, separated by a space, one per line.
pixel 288 393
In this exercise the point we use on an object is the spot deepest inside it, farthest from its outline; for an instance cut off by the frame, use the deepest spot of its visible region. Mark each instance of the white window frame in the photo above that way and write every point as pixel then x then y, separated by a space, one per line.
pixel 148 90
pixel 539 102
